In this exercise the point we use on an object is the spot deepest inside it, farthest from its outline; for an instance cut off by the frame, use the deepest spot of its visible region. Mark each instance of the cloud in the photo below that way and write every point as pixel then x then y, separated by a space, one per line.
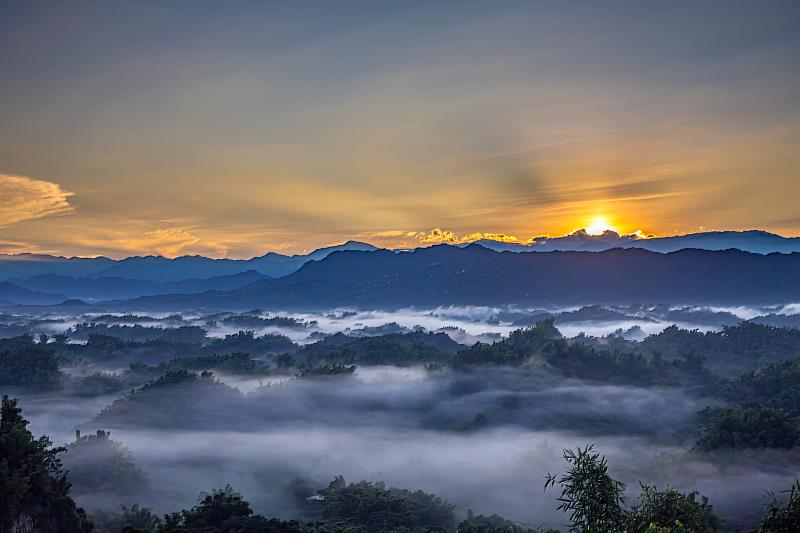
pixel 439 236
pixel 500 237
pixel 28 198
pixel 168 242
pixel 20 247
pixel 406 238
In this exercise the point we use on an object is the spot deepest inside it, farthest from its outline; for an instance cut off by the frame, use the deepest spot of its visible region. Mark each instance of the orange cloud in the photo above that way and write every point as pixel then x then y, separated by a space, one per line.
pixel 436 236
pixel 168 242
pixel 439 236
pixel 28 198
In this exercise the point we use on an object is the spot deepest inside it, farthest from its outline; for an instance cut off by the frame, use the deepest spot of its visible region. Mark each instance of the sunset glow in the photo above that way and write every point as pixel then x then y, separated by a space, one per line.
pixel 510 122
pixel 599 225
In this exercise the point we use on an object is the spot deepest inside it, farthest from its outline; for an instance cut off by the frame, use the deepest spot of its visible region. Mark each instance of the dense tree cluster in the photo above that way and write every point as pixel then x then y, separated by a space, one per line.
pixel 173 397
pixel 381 509
pixel 776 386
pixel 34 491
pixel 238 363
pixel 248 321
pixel 747 427
pixel 29 366
pixel 137 332
pixel 249 342
pixel 399 349
pixel 731 351
pixel 542 344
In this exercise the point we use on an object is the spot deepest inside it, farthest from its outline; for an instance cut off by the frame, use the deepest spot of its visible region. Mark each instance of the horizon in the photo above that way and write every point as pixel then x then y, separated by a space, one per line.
pixel 435 237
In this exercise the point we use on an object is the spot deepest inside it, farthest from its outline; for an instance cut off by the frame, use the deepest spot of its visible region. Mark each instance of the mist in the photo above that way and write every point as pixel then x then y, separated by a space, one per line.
pixel 481 437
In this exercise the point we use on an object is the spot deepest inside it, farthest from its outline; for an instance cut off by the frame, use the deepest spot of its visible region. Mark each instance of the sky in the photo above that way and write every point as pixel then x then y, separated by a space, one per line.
pixel 234 128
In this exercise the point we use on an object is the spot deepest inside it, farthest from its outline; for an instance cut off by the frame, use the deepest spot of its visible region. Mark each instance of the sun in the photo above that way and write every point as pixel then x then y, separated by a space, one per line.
pixel 599 225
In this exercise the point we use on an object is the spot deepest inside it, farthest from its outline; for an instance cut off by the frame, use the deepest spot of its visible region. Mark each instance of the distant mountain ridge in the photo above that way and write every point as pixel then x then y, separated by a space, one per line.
pixel 108 288
pixel 447 275
pixel 13 294
pixel 161 269
pixel 754 241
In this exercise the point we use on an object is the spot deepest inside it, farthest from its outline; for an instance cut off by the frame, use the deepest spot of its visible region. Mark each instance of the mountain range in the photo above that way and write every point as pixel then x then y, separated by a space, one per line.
pixel 53 286
pixel 161 269
pixel 474 275
pixel 607 268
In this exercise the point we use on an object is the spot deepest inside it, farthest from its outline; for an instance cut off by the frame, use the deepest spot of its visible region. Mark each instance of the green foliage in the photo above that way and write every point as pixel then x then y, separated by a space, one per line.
pixel 379 509
pixel 493 524
pixel 172 399
pixel 732 351
pixel 783 518
pixel 248 342
pixel 399 349
pixel 30 366
pixel 137 332
pixel 337 369
pixel 34 492
pixel 104 347
pixel 285 360
pixel 542 344
pixel 98 384
pixel 519 347
pixel 592 498
pixel 216 510
pixel 253 321
pixel 133 519
pixel 671 510
pixel 747 427
pixel 240 364
pixel 776 386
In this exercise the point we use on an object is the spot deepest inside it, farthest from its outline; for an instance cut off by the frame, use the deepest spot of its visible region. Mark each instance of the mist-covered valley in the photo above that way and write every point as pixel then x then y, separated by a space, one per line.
pixel 472 404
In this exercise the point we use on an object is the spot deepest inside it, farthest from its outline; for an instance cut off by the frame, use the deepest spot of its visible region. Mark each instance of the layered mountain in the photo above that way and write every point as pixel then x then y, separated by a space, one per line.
pixel 162 269
pixel 474 275
pixel 110 288
pixel 27 265
pixel 11 294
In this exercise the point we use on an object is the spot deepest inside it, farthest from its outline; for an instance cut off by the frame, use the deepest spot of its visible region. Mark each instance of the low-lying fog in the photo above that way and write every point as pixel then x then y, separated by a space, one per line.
pixel 406 426
pixel 482 440
pixel 465 324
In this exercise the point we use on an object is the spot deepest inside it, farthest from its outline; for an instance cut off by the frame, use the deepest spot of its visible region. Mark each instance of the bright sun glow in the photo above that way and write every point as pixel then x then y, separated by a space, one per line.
pixel 599 225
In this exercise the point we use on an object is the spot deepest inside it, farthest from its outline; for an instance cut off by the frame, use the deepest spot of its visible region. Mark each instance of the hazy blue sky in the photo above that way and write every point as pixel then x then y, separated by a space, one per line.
pixel 233 128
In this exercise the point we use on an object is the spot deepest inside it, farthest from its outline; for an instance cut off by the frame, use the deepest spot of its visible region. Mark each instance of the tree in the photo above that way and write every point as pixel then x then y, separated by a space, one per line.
pixel 133 519
pixel 747 427
pixel 672 509
pixel 378 509
pixel 783 518
pixel 592 498
pixel 33 366
pixel 34 491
